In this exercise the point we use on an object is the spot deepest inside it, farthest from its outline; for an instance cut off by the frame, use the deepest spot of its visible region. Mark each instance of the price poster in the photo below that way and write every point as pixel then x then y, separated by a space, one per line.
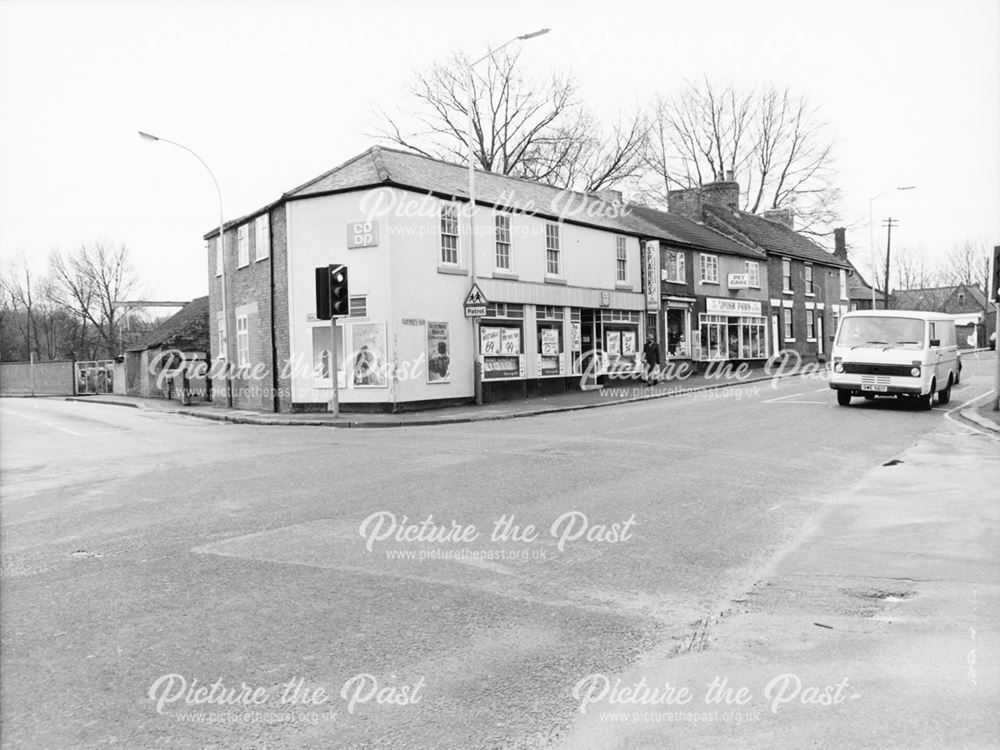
pixel 628 343
pixel 550 342
pixel 489 341
pixel 511 341
pixel 614 343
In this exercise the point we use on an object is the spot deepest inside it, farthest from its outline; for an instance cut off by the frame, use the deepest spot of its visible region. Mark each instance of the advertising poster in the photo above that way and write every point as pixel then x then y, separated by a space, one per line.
pixel 510 341
pixel 628 343
pixel 614 343
pixel 368 368
pixel 550 342
pixel 438 353
pixel 489 341
pixel 576 343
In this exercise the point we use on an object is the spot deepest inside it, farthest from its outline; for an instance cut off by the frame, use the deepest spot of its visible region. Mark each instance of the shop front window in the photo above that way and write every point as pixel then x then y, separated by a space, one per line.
pixel 725 337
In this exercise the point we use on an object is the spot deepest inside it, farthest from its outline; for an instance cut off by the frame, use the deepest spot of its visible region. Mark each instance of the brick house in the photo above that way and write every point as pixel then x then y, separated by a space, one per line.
pixel 807 286
pixel 563 274
pixel 714 292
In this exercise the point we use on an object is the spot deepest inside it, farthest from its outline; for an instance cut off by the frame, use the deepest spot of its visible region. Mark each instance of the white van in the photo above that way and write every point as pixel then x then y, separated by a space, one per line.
pixel 902 353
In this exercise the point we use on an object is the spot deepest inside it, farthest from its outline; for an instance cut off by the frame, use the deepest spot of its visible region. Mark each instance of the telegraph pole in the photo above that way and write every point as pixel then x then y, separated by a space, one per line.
pixel 890 223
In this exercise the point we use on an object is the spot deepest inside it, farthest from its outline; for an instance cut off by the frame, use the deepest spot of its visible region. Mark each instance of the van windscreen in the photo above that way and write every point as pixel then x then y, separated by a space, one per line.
pixel 876 331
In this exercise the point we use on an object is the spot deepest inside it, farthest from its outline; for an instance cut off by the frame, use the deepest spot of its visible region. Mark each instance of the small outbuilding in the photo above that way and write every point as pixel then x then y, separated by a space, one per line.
pixel 182 338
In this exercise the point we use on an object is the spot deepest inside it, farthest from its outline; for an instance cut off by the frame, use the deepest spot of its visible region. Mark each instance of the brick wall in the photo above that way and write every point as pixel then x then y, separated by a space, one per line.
pixel 48 379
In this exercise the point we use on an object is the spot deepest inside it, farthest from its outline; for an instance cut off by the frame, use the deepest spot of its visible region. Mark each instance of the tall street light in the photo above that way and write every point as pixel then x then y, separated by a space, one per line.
pixel 222 256
pixel 477 372
pixel 871 242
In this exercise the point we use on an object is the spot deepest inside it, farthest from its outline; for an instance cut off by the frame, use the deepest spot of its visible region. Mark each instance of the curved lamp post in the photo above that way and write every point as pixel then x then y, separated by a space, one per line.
pixel 222 255
pixel 477 373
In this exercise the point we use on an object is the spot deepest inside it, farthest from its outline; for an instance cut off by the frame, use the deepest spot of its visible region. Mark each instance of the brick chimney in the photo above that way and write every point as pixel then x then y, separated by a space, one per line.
pixel 781 216
pixel 840 243
pixel 689 202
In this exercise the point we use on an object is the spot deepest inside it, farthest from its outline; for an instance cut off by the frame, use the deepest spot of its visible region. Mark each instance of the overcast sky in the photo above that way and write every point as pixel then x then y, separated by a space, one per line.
pixel 272 94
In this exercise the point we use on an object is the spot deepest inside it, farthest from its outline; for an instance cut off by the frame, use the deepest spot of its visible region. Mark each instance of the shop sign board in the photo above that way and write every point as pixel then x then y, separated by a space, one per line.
pixel 718 306
pixel 739 281
pixel 652 275
pixel 362 234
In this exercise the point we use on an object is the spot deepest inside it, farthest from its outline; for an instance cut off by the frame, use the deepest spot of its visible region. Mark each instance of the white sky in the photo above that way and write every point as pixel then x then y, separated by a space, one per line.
pixel 273 94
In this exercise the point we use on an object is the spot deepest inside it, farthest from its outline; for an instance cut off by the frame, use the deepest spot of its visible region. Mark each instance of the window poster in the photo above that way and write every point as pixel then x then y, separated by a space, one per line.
pixel 550 342
pixel 628 343
pixel 438 353
pixel 614 345
pixel 489 341
pixel 368 360
pixel 576 343
pixel 510 341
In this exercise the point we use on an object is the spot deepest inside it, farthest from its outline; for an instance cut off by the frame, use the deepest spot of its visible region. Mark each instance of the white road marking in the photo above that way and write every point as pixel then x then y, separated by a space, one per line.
pixel 40 421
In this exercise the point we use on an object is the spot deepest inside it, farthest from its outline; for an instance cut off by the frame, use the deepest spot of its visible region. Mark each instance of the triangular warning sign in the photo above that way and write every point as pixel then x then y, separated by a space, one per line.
pixel 476 296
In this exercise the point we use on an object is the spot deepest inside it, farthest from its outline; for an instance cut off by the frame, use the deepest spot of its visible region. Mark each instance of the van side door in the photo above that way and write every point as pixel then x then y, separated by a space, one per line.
pixel 934 353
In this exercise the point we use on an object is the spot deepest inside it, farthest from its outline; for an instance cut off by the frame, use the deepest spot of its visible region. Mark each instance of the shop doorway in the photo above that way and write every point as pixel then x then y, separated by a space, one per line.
pixel 775 341
pixel 819 334
pixel 677 327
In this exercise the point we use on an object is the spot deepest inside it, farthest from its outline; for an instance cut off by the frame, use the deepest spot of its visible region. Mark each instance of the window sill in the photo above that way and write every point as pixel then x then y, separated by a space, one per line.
pixel 453 270
pixel 624 287
pixel 810 294
pixel 787 291
pixel 789 341
pixel 674 281
pixel 554 279
pixel 242 265
pixel 506 276
pixel 258 260
pixel 705 281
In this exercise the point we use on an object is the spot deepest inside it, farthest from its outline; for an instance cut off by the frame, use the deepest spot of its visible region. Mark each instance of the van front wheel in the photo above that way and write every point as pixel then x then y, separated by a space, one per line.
pixel 924 403
pixel 945 396
pixel 844 397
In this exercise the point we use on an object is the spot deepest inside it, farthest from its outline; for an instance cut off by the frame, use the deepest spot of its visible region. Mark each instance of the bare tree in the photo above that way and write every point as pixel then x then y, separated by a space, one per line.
pixel 88 282
pixel 773 142
pixel 968 263
pixel 19 293
pixel 914 270
pixel 536 129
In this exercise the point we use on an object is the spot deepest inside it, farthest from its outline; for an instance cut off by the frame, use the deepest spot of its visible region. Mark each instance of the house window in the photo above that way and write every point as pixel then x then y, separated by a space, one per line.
pixel 753 273
pixel 621 259
pixel 808 276
pixel 502 222
pixel 673 270
pixel 223 349
pixel 786 320
pixel 843 284
pixel 810 325
pixel 552 249
pixel 449 234
pixel 709 269
pixel 786 275
pixel 262 237
pixel 218 257
pixel 242 341
pixel 358 306
pixel 243 246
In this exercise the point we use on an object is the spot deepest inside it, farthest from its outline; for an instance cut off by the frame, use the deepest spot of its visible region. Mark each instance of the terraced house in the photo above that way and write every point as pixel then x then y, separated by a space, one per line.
pixel 807 286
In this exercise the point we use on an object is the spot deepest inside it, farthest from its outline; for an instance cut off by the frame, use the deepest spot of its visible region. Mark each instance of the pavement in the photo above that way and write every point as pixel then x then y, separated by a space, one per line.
pixel 877 628
pixel 615 394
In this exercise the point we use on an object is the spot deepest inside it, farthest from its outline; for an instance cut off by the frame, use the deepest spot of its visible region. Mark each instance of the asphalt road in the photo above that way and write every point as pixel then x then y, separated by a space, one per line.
pixel 146 555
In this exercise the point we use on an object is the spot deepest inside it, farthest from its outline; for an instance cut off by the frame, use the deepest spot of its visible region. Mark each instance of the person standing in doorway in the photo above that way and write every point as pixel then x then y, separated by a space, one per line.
pixel 651 358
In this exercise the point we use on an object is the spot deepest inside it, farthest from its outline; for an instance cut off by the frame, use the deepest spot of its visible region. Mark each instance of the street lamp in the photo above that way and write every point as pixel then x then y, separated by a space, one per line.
pixel 222 255
pixel 477 373
pixel 871 242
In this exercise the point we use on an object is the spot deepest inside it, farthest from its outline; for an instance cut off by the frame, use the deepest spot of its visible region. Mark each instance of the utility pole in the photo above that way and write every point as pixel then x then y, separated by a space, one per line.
pixel 890 223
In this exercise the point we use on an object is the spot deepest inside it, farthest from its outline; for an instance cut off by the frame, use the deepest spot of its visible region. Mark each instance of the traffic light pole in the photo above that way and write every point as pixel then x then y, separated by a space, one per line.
pixel 334 405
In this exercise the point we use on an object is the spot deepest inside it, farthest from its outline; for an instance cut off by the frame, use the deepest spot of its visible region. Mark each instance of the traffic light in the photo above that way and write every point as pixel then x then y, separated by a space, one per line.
pixel 332 299
pixel 339 301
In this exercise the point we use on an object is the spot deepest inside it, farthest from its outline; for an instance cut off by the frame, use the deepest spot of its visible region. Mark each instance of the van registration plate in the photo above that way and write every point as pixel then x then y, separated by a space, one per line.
pixel 878 388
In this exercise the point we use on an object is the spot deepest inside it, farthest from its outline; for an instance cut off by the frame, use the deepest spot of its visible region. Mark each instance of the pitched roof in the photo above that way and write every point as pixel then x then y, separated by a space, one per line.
pixel 693 233
pixel 381 166
pixel 771 236
pixel 940 299
pixel 186 329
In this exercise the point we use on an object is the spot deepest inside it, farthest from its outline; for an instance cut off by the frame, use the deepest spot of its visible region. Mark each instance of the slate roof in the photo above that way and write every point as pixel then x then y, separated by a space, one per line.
pixel 940 299
pixel 771 236
pixel 693 233
pixel 391 167
pixel 186 329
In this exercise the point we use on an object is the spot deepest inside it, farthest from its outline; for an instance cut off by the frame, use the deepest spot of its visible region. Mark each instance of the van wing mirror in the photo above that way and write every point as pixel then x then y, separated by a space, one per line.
pixel 935 342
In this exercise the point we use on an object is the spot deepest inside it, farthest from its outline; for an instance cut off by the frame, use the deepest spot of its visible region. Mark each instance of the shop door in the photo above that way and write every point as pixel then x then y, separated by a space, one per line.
pixel 775 341
pixel 819 334
pixel 590 342
pixel 677 343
